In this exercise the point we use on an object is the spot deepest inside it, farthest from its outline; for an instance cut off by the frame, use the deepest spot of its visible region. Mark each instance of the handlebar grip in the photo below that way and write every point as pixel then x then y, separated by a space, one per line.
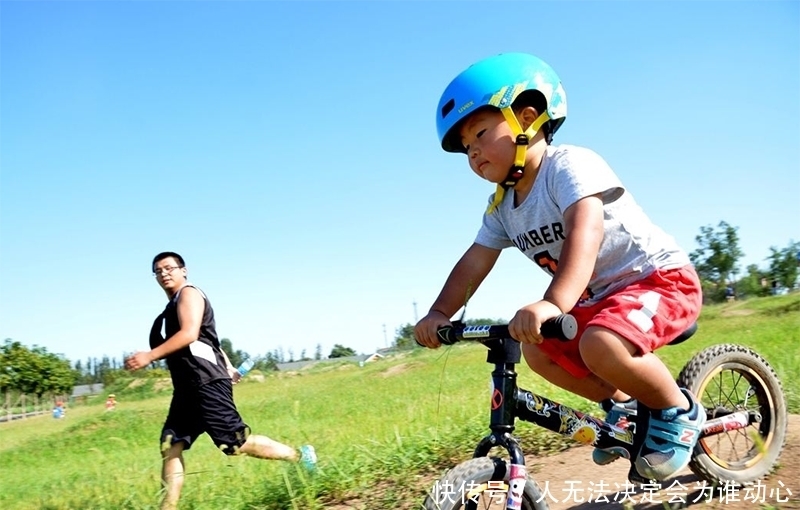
pixel 447 335
pixel 564 327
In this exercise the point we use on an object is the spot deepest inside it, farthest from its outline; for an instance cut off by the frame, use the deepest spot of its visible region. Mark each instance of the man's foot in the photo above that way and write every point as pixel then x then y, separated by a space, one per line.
pixel 671 437
pixel 308 457
pixel 617 414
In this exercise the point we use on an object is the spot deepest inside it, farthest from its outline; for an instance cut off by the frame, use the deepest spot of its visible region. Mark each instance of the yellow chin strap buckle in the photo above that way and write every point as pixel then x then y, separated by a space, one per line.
pixel 523 138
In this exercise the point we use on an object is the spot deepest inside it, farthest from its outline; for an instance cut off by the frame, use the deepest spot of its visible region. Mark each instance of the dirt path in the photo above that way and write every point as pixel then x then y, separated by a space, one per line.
pixel 572 481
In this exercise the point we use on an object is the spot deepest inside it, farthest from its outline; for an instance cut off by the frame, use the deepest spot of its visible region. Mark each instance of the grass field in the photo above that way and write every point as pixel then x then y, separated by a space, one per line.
pixel 379 430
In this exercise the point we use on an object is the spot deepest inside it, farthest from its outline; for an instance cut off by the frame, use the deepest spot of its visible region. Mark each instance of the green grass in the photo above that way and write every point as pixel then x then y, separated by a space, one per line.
pixel 380 431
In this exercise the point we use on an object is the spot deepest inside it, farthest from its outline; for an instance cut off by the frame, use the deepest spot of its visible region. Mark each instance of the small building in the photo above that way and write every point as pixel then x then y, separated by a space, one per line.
pixel 300 365
pixel 85 390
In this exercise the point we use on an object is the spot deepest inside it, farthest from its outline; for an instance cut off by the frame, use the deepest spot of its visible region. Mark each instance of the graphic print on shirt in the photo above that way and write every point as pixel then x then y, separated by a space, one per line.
pixel 539 236
pixel 549 264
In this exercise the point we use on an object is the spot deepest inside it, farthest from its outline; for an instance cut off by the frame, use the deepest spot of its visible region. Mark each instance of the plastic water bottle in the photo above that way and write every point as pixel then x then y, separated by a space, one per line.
pixel 245 367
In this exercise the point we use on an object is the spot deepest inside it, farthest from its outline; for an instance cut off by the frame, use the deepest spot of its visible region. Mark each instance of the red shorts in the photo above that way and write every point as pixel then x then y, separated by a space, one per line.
pixel 649 314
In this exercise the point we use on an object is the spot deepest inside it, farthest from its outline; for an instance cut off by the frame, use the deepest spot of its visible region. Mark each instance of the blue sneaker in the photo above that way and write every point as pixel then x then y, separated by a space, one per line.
pixel 617 414
pixel 671 437
pixel 308 457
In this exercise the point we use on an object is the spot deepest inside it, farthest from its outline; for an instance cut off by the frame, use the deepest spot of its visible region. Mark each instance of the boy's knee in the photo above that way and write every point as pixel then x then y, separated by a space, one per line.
pixel 601 347
pixel 537 360
pixel 588 346
pixel 594 347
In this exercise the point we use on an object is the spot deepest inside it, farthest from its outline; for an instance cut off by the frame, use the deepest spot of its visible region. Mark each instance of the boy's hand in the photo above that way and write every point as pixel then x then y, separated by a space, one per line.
pixel 527 323
pixel 425 330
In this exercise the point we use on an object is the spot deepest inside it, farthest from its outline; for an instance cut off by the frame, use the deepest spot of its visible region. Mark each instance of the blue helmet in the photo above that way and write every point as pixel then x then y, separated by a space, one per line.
pixel 498 81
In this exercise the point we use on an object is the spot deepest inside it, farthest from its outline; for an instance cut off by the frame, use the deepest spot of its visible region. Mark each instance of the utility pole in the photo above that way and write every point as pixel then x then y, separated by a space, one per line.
pixel 385 339
pixel 416 319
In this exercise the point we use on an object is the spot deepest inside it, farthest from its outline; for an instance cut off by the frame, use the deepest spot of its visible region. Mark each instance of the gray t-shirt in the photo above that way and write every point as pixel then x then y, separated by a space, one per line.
pixel 632 247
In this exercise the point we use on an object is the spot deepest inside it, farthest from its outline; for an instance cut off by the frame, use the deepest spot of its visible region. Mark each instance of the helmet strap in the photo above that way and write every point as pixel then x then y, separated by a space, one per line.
pixel 522 139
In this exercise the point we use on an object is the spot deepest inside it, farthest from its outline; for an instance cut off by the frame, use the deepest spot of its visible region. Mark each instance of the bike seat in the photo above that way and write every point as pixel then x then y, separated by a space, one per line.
pixel 685 335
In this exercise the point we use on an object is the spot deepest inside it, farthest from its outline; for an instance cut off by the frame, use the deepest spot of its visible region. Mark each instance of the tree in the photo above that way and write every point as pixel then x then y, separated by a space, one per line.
pixel 340 351
pixel 754 283
pixel 57 376
pixel 404 337
pixel 236 357
pixel 716 259
pixel 484 322
pixel 267 363
pixel 34 371
pixel 318 352
pixel 783 265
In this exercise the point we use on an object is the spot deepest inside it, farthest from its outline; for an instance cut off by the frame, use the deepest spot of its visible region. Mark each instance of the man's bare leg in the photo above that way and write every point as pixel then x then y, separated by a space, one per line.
pixel 172 472
pixel 266 448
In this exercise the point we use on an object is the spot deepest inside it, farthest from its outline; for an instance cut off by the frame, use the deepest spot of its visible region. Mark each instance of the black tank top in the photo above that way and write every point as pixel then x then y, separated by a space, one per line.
pixel 200 362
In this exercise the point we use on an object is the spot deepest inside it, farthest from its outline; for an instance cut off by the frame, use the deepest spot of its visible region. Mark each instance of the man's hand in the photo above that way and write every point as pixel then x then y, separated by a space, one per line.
pixel 138 360
pixel 527 323
pixel 235 375
pixel 425 330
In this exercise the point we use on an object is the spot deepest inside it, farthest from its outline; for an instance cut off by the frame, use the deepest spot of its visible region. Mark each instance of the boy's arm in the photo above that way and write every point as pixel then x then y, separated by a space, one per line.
pixel 465 278
pixel 584 233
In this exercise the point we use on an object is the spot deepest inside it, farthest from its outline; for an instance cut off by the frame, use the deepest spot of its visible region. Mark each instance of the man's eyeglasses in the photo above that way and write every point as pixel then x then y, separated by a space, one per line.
pixel 165 270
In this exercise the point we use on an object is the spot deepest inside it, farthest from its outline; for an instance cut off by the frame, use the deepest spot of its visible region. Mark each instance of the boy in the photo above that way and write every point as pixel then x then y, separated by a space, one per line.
pixel 202 378
pixel 628 284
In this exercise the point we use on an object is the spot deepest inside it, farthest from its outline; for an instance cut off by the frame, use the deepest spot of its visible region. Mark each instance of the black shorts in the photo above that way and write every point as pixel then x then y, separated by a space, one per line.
pixel 210 409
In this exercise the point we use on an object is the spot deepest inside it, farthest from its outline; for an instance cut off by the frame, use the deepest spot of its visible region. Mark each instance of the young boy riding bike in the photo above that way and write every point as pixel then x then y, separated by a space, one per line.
pixel 628 284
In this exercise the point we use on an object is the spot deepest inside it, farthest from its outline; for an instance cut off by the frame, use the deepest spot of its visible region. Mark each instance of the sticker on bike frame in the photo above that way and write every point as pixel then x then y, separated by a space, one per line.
pixel 518 474
pixel 586 429
pixel 476 332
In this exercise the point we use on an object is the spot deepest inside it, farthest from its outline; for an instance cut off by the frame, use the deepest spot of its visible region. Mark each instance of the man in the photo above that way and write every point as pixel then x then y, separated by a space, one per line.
pixel 202 379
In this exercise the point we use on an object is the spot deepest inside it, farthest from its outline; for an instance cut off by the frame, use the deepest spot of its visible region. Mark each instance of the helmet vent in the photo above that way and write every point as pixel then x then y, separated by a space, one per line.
pixel 448 107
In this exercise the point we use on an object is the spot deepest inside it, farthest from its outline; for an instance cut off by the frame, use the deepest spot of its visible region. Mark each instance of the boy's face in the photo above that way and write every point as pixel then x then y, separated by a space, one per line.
pixel 169 274
pixel 490 146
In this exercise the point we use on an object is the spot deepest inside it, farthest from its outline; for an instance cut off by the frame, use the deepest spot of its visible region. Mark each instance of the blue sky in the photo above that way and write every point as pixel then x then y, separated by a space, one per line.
pixel 289 152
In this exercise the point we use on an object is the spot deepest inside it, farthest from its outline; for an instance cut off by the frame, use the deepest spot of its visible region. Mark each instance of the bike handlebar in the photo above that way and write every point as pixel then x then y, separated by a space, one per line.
pixel 564 327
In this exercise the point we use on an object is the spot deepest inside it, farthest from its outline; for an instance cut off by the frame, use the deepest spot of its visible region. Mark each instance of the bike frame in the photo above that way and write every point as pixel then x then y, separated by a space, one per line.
pixel 509 402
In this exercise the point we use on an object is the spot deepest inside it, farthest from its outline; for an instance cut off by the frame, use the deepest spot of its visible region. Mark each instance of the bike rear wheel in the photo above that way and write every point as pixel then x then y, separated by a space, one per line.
pixel 480 484
pixel 728 378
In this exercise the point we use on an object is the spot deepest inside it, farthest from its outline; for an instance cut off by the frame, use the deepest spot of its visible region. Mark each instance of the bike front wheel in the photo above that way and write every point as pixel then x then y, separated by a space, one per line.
pixel 729 378
pixel 480 484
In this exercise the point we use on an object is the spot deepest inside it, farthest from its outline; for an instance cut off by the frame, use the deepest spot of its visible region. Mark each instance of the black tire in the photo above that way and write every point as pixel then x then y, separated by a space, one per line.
pixel 454 490
pixel 727 378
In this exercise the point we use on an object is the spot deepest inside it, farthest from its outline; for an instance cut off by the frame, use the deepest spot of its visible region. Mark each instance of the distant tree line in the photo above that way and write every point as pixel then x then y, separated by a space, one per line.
pixel 717 263
pixel 108 370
